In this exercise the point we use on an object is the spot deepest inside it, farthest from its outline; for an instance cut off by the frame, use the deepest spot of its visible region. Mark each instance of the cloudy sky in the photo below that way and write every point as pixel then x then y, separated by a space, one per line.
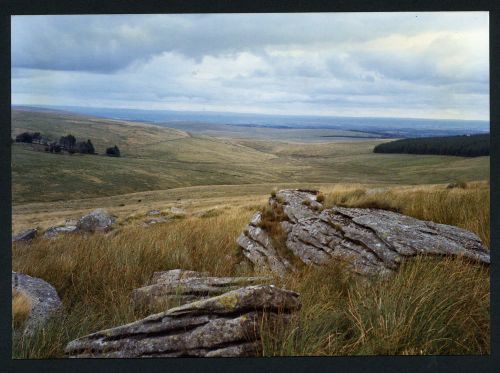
pixel 416 65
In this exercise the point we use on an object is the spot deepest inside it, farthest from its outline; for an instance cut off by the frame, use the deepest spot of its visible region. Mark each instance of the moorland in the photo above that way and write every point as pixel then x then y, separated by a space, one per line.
pixel 430 307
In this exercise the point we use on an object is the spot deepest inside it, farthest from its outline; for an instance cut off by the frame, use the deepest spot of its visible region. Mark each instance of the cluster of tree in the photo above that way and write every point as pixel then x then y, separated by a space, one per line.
pixel 67 143
pixel 464 146
pixel 29 137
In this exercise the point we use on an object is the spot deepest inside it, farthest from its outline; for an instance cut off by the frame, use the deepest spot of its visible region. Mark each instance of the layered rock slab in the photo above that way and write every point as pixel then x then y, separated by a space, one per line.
pixel 179 286
pixel 371 241
pixel 43 298
pixel 225 325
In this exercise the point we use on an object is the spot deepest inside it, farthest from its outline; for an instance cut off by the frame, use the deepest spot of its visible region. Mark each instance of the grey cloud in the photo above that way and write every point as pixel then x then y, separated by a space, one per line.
pixel 315 63
pixel 109 43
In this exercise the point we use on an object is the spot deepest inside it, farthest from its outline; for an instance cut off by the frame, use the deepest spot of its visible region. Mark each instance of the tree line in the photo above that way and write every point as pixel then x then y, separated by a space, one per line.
pixel 66 143
pixel 464 146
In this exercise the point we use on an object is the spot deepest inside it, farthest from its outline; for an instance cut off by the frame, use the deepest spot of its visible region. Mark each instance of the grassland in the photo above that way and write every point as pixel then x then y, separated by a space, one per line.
pixel 157 158
pixel 431 306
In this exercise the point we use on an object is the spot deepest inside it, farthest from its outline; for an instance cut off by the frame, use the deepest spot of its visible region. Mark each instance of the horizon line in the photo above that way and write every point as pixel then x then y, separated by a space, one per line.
pixel 42 106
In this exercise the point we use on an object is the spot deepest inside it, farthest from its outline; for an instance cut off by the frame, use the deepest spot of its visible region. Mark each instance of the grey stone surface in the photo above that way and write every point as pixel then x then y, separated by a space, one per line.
pixel 26 235
pixel 258 248
pixel 225 325
pixel 179 286
pixel 97 220
pixel 177 211
pixel 152 221
pixel 371 241
pixel 54 231
pixel 43 298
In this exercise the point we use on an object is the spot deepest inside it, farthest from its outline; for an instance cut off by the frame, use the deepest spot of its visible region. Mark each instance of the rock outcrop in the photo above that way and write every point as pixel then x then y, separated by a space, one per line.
pixel 42 296
pixel 371 241
pixel 179 286
pixel 97 220
pixel 26 235
pixel 225 325
pixel 258 248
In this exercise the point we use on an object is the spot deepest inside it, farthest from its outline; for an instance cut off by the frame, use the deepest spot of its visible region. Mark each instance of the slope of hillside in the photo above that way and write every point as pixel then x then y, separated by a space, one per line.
pixel 157 158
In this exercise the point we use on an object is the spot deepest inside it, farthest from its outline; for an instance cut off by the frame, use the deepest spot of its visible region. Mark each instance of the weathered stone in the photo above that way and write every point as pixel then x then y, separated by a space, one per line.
pixel 371 241
pixel 258 248
pixel 42 296
pixel 152 221
pixel 153 212
pixel 177 211
pixel 26 235
pixel 54 231
pixel 225 325
pixel 179 286
pixel 97 220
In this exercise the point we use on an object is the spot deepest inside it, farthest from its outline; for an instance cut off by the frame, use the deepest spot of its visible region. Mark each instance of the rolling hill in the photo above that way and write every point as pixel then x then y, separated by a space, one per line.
pixel 158 158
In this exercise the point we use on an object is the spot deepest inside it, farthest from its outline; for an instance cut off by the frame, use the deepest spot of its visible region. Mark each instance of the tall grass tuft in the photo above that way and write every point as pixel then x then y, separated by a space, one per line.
pixel 431 306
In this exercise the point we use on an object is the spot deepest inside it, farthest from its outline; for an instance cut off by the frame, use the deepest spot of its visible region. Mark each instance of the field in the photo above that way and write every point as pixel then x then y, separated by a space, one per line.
pixel 156 158
pixel 432 306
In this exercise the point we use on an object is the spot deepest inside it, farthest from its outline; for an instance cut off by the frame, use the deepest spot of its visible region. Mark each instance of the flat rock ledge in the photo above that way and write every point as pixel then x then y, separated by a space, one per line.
pixel 225 325
pixel 42 296
pixel 178 286
pixel 371 241
pixel 98 220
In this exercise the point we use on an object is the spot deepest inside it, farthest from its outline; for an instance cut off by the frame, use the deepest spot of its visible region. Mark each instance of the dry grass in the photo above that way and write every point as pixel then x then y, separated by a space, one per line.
pixel 466 207
pixel 431 306
pixel 21 307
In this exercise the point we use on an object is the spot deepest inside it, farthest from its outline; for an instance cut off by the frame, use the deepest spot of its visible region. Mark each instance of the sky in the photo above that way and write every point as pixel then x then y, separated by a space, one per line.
pixel 412 65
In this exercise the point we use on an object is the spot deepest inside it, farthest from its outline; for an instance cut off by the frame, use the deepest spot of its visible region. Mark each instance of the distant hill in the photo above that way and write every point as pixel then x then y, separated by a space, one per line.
pixel 464 146
pixel 264 126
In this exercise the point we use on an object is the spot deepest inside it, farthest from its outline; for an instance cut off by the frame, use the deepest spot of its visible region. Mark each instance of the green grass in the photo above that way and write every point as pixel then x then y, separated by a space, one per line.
pixel 156 158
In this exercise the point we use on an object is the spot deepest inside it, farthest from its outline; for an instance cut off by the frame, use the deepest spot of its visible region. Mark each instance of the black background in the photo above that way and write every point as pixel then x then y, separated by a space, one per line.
pixel 455 364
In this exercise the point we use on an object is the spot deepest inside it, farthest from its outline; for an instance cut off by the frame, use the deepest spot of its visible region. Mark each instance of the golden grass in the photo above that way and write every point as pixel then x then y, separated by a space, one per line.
pixel 468 207
pixel 432 306
pixel 21 308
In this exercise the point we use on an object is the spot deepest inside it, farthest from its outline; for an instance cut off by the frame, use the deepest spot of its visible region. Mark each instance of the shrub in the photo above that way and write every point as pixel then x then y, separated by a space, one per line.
pixel 113 151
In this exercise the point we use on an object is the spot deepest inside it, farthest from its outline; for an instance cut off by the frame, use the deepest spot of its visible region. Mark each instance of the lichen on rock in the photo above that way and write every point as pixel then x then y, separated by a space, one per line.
pixel 370 241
